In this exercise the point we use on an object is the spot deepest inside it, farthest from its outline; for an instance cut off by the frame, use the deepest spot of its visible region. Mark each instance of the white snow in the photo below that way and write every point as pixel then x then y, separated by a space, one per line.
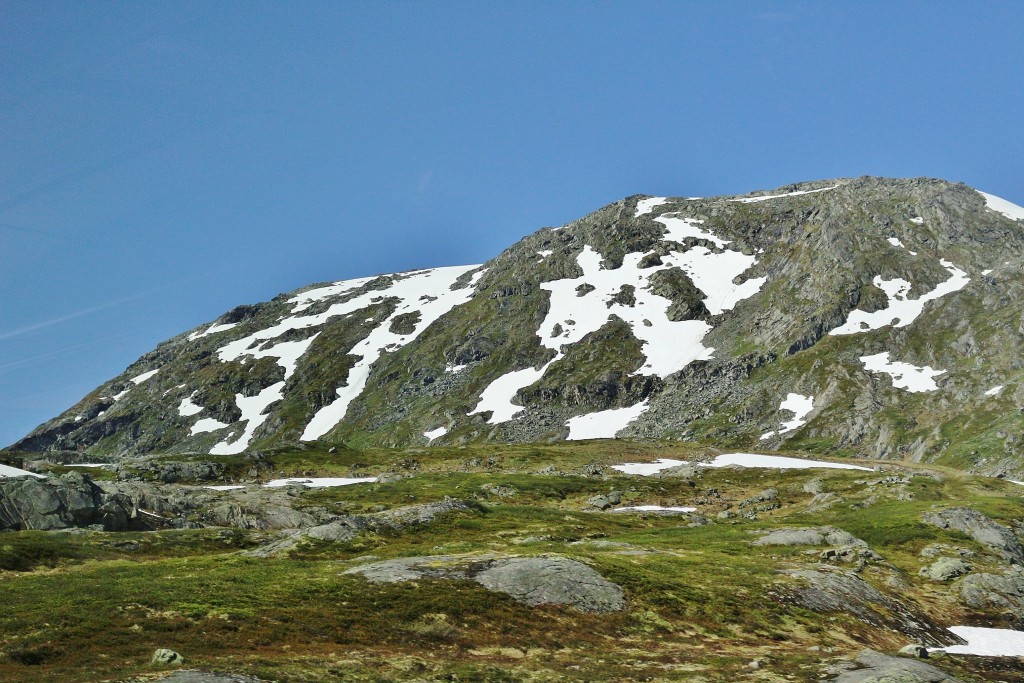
pixel 986 272
pixel 121 394
pixel 751 200
pixel 207 424
pixel 918 220
pixel 89 464
pixel 896 243
pixel 645 206
pixel 544 253
pixel 436 433
pixel 668 345
pixel 139 379
pixel 454 368
pixel 187 408
pixel 994 390
pixel 901 311
pixel 757 460
pixel 801 406
pixel 320 482
pixel 253 414
pixel 904 375
pixel 306 299
pixel 989 642
pixel 653 508
pixel 604 424
pixel 8 471
pixel 412 291
pixel 212 329
pixel 225 487
pixel 646 469
pixel 1008 209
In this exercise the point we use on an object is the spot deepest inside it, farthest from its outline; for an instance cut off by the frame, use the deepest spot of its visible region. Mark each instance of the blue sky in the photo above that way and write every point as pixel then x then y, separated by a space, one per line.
pixel 163 162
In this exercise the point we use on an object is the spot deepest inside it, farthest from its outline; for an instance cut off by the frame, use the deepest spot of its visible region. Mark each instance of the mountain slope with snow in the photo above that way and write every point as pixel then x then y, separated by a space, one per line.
pixel 892 305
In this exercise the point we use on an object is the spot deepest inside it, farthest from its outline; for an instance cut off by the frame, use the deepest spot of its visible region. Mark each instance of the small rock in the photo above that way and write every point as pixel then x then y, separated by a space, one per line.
pixel 165 657
pixel 916 650
pixel 600 502
pixel 945 569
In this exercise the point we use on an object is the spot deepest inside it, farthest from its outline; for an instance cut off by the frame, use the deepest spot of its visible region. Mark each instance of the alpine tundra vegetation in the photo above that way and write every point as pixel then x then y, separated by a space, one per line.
pixel 767 437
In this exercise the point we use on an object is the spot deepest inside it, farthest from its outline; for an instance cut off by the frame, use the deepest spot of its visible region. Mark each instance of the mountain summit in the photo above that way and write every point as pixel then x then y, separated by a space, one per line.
pixel 871 316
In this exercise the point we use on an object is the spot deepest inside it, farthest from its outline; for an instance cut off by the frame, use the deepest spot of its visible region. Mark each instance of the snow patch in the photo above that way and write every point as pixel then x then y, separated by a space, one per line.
pixel 213 329
pixel 604 424
pixel 987 271
pixel 994 390
pixel 904 375
pixel 801 406
pixel 901 311
pixel 253 414
pixel 645 206
pixel 306 299
pixel 207 424
pixel 224 487
pixel 8 471
pixel 139 379
pixel 1008 209
pixel 319 482
pixel 757 460
pixel 646 469
pixel 653 508
pixel 988 642
pixel 455 369
pixel 752 200
pixel 544 253
pixel 90 464
pixel 436 433
pixel 187 408
pixel 918 220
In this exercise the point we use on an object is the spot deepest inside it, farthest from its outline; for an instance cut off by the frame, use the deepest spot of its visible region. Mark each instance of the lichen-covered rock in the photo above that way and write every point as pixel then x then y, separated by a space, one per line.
pixel 999 591
pixel 945 569
pixel 61 503
pixel 531 580
pixel 879 668
pixel 823 535
pixel 166 657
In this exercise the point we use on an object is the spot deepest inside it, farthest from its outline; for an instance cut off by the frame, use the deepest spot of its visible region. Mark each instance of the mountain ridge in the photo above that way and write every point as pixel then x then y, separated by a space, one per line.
pixel 650 318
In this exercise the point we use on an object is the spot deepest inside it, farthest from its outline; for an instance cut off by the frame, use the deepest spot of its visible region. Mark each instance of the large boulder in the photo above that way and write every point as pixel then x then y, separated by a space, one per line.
pixel 999 591
pixel 822 535
pixel 70 501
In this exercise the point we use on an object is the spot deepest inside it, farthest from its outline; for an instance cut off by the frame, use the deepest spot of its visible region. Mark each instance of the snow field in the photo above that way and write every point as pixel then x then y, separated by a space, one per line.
pixel 8 471
pixel 753 460
pixel 604 424
pixel 1008 209
pixel 752 200
pixel 904 375
pixel 801 406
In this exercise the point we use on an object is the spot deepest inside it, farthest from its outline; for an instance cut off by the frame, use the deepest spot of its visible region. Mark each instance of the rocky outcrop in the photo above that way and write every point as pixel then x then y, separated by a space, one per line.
pixel 993 535
pixel 822 535
pixel 994 591
pixel 542 580
pixel 70 501
pixel 830 591
pixel 875 667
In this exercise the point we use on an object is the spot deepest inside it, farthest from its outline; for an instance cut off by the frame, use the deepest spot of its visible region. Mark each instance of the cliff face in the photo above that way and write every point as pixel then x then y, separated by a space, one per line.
pixel 874 316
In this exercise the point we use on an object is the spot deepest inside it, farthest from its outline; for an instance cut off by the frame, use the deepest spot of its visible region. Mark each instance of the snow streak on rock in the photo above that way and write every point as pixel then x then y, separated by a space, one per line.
pixel 428 292
pixel 436 433
pixel 213 329
pixel 994 391
pixel 8 471
pixel 901 311
pixel 604 424
pixel 752 200
pixel 645 206
pixel 801 406
pixel 904 375
pixel 187 408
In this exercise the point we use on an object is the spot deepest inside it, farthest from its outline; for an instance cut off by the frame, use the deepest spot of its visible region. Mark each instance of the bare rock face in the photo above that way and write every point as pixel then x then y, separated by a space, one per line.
pixel 879 668
pixel 70 501
pixel 548 580
pixel 945 569
pixel 995 536
pixel 823 535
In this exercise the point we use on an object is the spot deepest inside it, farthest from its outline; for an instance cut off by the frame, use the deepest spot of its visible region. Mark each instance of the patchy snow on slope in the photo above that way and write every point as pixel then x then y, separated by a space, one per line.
pixel 426 291
pixel 213 329
pixel 987 271
pixel 544 253
pixel 668 346
pixel 646 469
pixel 253 414
pixel 918 220
pixel 187 408
pixel 653 508
pixel 139 379
pixel 206 424
pixel 801 406
pixel 994 390
pixel 988 642
pixel 436 433
pixel 604 424
pixel 758 460
pixel 224 487
pixel 751 200
pixel 454 369
pixel 306 299
pixel 901 311
pixel 1008 209
pixel 645 206
pixel 904 375
pixel 8 471
pixel 320 482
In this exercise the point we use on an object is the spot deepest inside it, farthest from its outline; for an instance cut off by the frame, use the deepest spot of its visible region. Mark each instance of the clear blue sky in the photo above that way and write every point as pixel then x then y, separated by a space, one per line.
pixel 163 162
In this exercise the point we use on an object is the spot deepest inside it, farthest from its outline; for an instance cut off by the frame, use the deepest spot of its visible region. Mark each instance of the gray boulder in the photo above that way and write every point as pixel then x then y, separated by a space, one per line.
pixel 1000 591
pixel 822 535
pixel 945 569
pixel 982 529
pixel 543 580
pixel 165 657
pixel 879 668
pixel 69 501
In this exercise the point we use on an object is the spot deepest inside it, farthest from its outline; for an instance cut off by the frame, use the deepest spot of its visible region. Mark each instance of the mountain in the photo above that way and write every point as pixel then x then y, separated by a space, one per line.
pixel 871 317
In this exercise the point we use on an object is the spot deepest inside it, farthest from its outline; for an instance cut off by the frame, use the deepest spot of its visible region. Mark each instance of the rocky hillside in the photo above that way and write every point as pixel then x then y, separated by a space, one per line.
pixel 872 317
